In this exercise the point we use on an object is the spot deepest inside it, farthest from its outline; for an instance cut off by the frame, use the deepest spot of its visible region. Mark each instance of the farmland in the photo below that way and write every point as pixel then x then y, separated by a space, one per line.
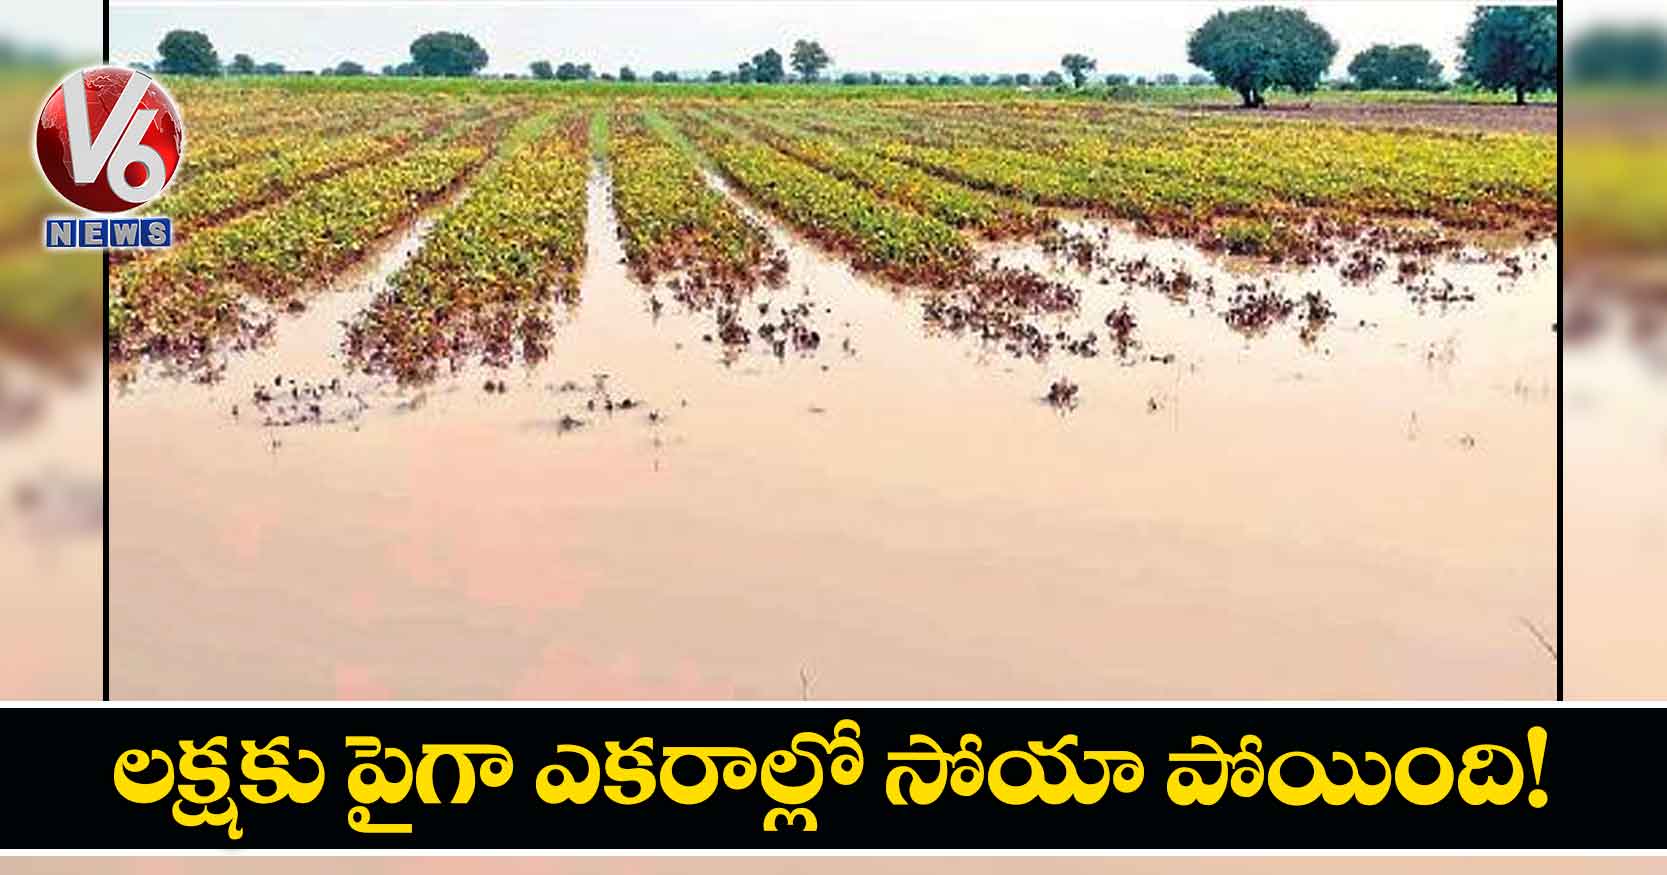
pixel 710 391
pixel 904 190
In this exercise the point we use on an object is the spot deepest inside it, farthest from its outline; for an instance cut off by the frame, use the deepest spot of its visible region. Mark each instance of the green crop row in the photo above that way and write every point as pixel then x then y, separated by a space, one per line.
pixel 670 218
pixel 877 235
pixel 956 205
pixel 489 268
pixel 179 302
pixel 213 196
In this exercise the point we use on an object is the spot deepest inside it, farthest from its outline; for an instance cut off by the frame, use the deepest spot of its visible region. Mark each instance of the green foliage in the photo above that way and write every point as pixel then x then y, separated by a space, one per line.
pixel 492 262
pixel 187 53
pixel 809 59
pixel 626 74
pixel 445 53
pixel 1077 66
pixel 569 71
pixel 1406 67
pixel 1512 48
pixel 183 298
pixel 878 235
pixel 1052 78
pixel 909 186
pixel 348 68
pixel 766 67
pixel 670 219
pixel 541 70
pixel 1619 55
pixel 1254 50
pixel 241 65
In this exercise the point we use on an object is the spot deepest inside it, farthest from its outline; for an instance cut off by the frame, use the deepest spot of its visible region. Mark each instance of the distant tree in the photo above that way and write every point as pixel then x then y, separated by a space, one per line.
pixel 409 68
pixel 809 59
pixel 607 77
pixel 1199 80
pixel 852 79
pixel 349 68
pixel 187 53
pixel 626 74
pixel 947 79
pixel 1078 65
pixel 541 70
pixel 1617 55
pixel 717 76
pixel 1004 80
pixel 876 79
pixel 1142 81
pixel 1406 67
pixel 1116 79
pixel 979 79
pixel 744 72
pixel 1512 47
pixel 1023 79
pixel 1253 50
pixel 911 79
pixel 567 71
pixel 766 67
pixel 269 69
pixel 1168 80
pixel 444 53
pixel 664 76
pixel 1052 79
pixel 388 70
pixel 241 65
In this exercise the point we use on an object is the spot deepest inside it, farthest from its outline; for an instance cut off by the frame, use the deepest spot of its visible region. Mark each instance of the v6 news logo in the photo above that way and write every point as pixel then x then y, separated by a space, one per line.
pixel 109 140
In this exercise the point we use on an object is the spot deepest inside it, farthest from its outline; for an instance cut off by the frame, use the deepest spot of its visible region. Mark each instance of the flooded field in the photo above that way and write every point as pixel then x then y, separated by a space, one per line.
pixel 51 517
pixel 1239 499
pixel 1615 510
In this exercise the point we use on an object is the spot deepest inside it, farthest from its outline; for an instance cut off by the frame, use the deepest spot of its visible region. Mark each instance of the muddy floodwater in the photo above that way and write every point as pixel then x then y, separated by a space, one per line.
pixel 1368 511
pixel 1615 520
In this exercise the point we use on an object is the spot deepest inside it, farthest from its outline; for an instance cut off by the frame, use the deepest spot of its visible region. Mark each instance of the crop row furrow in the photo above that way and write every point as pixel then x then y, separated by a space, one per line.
pixel 956 205
pixel 178 303
pixel 671 219
pixel 488 270
pixel 877 235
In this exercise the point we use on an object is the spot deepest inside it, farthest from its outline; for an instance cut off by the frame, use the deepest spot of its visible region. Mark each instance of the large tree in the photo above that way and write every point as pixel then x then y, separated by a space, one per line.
pixel 809 59
pixel 188 53
pixel 1077 66
pixel 1253 50
pixel 766 67
pixel 1512 47
pixel 1405 67
pixel 541 70
pixel 447 54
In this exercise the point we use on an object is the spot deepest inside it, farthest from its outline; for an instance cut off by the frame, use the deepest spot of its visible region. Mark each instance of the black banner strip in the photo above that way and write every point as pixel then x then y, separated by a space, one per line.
pixel 828 777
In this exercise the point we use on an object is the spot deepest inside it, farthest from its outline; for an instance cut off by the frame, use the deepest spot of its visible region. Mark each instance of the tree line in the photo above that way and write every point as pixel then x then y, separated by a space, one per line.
pixel 1251 51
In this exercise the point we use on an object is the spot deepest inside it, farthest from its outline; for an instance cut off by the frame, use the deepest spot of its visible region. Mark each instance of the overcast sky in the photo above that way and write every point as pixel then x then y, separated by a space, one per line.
pixel 963 36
